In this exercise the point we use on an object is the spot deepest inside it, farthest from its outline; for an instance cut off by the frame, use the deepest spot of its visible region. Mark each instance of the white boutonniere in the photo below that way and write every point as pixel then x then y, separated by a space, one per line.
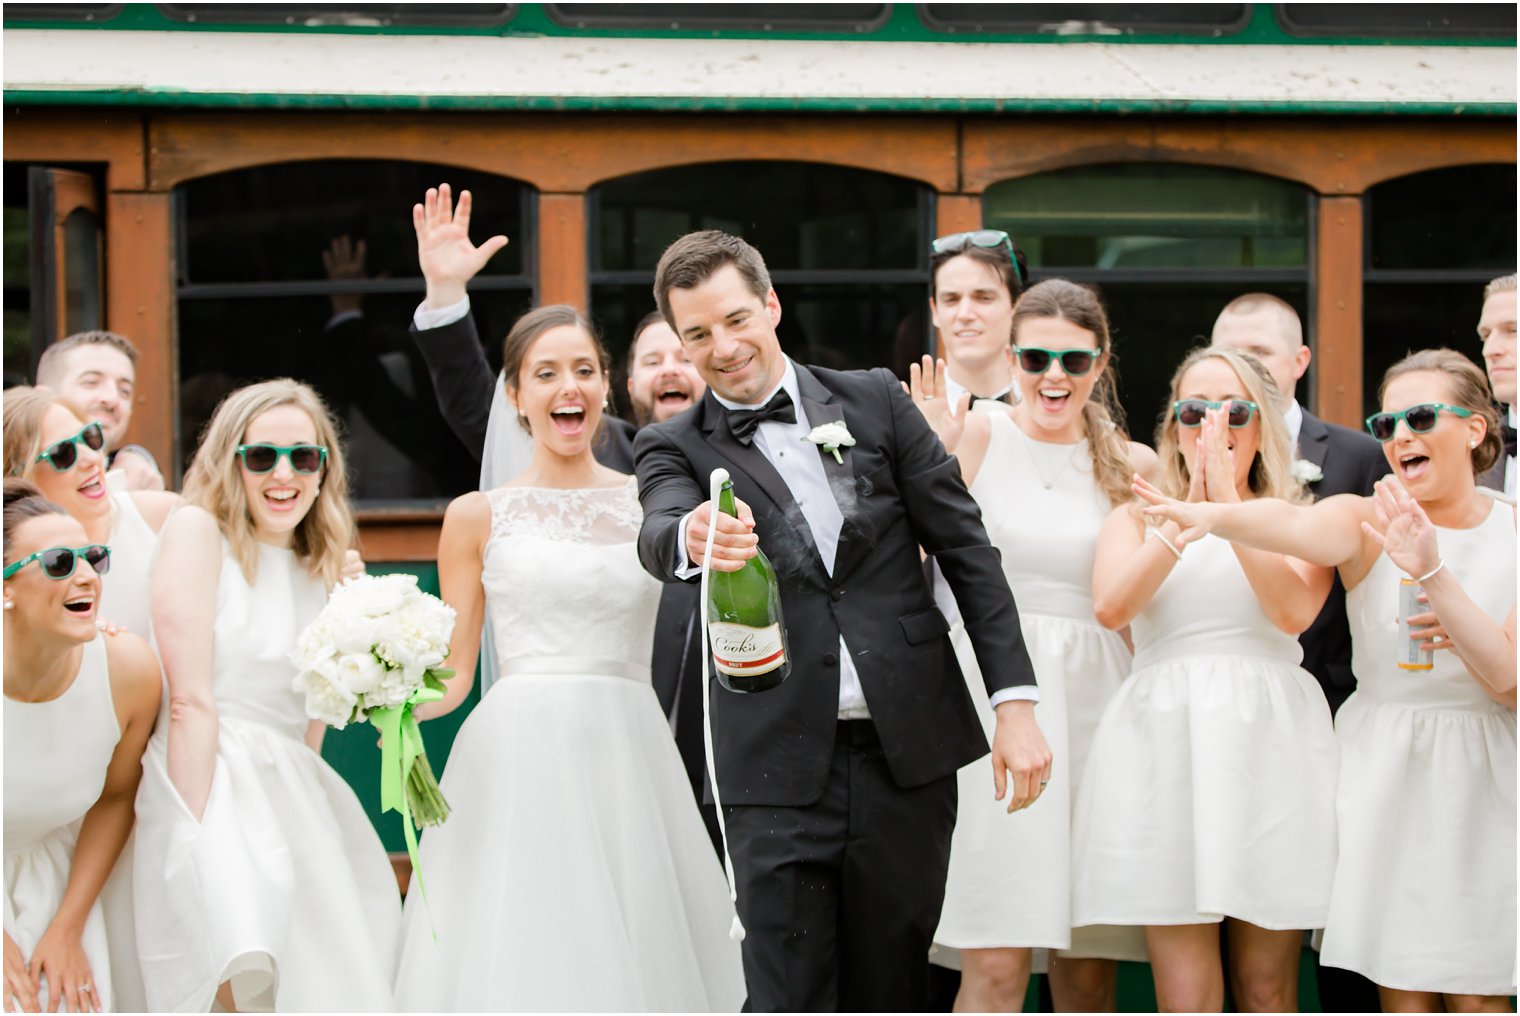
pixel 1306 472
pixel 831 437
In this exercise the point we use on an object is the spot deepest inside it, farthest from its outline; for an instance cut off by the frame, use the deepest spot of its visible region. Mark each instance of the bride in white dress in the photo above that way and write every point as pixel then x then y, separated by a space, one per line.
pixel 574 872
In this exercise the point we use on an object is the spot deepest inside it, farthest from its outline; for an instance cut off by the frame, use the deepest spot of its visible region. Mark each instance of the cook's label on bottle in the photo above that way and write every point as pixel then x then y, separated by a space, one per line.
pixel 742 651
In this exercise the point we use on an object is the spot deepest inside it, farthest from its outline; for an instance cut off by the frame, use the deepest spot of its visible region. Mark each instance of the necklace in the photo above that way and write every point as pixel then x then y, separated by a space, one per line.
pixel 1071 457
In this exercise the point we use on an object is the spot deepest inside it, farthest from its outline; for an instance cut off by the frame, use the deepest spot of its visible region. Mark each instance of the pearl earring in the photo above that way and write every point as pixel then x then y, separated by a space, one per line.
pixel 9 605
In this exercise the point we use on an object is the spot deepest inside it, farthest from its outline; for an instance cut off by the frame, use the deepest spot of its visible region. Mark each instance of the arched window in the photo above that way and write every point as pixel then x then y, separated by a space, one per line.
pixel 1434 240
pixel 847 251
pixel 268 287
pixel 1168 246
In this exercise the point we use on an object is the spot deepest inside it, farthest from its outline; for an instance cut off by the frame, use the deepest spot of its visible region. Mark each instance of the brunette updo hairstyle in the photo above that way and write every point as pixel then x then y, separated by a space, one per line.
pixel 528 329
pixel 1469 389
pixel 24 502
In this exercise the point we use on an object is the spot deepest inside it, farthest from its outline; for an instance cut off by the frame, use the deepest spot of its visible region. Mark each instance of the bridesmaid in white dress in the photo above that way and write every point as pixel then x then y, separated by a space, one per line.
pixel 48 442
pixel 1424 897
pixel 1046 473
pixel 260 882
pixel 78 710
pixel 574 873
pixel 1209 795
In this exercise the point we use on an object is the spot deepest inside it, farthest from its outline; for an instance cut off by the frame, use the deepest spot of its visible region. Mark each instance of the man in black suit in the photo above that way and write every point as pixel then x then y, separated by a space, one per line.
pixel 1334 460
pixel 838 787
pixel 1496 330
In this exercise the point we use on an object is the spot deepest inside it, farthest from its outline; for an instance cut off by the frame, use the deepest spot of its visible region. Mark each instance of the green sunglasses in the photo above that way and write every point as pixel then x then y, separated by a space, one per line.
pixel 62 455
pixel 59 562
pixel 261 458
pixel 991 239
pixel 1075 362
pixel 1422 419
pixel 1192 412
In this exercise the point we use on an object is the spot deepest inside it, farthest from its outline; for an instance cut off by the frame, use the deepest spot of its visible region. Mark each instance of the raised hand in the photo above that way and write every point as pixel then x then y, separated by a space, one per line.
pixel 20 988
pixel 1191 516
pixel 344 259
pixel 1217 458
pixel 447 257
pixel 1403 529
pixel 928 387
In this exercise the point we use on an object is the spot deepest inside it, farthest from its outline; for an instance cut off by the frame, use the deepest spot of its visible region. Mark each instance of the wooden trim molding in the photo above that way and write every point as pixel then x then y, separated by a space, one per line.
pixel 564 154
pixel 562 250
pixel 1338 312
pixel 140 305
pixel 111 136
pixel 1339 156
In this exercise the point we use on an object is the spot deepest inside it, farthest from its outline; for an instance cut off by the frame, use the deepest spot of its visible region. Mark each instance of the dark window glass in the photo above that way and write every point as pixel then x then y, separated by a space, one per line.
pixel 60 12
pixel 1435 239
pixel 257 300
pixel 1480 20
pixel 342 14
pixel 1153 216
pixel 1444 219
pixel 846 249
pixel 735 17
pixel 1087 19
pixel 18 278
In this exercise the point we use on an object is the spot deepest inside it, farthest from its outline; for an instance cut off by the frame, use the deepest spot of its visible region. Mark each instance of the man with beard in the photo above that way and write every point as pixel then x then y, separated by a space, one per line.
pixel 661 380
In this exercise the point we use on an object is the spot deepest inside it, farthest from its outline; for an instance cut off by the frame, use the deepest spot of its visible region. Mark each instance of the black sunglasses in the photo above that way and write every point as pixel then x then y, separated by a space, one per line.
pixel 62 455
pixel 991 239
pixel 1422 419
pixel 59 562
pixel 1075 362
pixel 1191 412
pixel 261 458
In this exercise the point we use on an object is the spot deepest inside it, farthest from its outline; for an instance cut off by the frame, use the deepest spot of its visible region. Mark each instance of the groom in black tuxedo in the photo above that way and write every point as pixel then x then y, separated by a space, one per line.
pixel 838 788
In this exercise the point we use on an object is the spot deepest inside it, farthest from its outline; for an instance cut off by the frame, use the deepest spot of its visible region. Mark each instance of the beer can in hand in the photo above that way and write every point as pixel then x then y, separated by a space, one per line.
pixel 1412 654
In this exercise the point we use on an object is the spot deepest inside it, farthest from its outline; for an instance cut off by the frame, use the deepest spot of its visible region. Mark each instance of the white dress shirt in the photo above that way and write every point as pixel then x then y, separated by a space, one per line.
pixel 1293 416
pixel 1509 462
pixel 954 390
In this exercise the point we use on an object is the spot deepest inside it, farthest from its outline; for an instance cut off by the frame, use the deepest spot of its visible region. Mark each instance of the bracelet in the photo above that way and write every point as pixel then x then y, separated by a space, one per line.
pixel 1169 545
pixel 1431 574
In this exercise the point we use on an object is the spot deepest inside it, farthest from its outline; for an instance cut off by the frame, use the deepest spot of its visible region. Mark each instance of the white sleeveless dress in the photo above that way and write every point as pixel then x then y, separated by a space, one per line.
pixel 283 886
pixel 1009 881
pixel 124 601
pixel 124 589
pixel 574 873
pixel 1210 790
pixel 1424 895
pixel 56 756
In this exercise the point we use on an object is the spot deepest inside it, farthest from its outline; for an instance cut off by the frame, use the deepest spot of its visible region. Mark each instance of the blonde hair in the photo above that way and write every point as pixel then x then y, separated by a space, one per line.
pixel 25 409
pixel 1469 389
pixel 1272 470
pixel 214 480
pixel 1503 284
pixel 1102 417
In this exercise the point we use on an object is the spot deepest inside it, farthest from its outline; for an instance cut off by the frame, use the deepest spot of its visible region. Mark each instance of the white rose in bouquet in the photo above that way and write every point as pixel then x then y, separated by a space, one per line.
pixel 374 653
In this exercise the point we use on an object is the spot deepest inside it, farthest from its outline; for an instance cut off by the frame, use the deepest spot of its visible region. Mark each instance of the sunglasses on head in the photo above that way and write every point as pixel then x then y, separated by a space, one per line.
pixel 1421 419
pixel 62 455
pixel 1191 412
pixel 59 562
pixel 991 239
pixel 261 458
pixel 1075 362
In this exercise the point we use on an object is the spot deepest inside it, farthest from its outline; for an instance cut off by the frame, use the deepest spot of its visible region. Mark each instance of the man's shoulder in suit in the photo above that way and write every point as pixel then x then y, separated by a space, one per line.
pixel 1353 460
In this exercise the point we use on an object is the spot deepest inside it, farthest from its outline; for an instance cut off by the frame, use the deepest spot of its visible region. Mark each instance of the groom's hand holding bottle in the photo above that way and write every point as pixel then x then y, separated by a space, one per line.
pixel 734 544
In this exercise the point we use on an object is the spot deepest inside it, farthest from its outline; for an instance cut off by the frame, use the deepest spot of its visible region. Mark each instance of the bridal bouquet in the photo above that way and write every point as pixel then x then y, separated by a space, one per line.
pixel 375 653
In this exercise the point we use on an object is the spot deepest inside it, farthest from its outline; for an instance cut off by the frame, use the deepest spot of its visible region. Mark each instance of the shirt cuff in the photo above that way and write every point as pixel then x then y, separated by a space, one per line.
pixel 1018 693
pixel 436 317
pixel 684 569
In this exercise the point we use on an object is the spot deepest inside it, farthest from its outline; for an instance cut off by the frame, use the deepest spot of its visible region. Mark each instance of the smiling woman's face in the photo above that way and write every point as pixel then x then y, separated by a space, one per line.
pixel 1428 464
pixel 561 389
pixel 81 489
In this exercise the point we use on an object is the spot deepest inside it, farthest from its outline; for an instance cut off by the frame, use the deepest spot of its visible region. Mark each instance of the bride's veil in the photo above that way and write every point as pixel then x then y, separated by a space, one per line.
pixel 508 451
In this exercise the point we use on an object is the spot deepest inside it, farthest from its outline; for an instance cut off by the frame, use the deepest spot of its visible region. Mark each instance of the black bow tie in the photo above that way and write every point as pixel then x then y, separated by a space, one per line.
pixel 1507 431
pixel 742 423
pixel 1003 398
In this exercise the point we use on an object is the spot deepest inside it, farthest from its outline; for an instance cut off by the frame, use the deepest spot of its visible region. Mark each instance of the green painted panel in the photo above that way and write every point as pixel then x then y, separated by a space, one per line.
pixel 355 754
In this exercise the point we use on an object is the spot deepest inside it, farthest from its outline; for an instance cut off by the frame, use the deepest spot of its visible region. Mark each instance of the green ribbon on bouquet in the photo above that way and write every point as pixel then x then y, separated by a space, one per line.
pixel 400 747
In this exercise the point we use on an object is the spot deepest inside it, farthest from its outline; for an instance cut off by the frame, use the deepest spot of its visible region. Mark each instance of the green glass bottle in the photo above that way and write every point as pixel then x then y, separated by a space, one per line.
pixel 744 627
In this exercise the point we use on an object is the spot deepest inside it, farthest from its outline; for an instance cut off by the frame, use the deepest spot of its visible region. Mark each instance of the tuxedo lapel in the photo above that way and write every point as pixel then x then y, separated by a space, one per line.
pixel 820 407
pixel 747 459
pixel 1314 445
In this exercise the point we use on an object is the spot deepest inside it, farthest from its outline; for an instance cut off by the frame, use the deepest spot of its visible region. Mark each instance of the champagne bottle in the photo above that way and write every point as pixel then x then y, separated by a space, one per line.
pixel 744 627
